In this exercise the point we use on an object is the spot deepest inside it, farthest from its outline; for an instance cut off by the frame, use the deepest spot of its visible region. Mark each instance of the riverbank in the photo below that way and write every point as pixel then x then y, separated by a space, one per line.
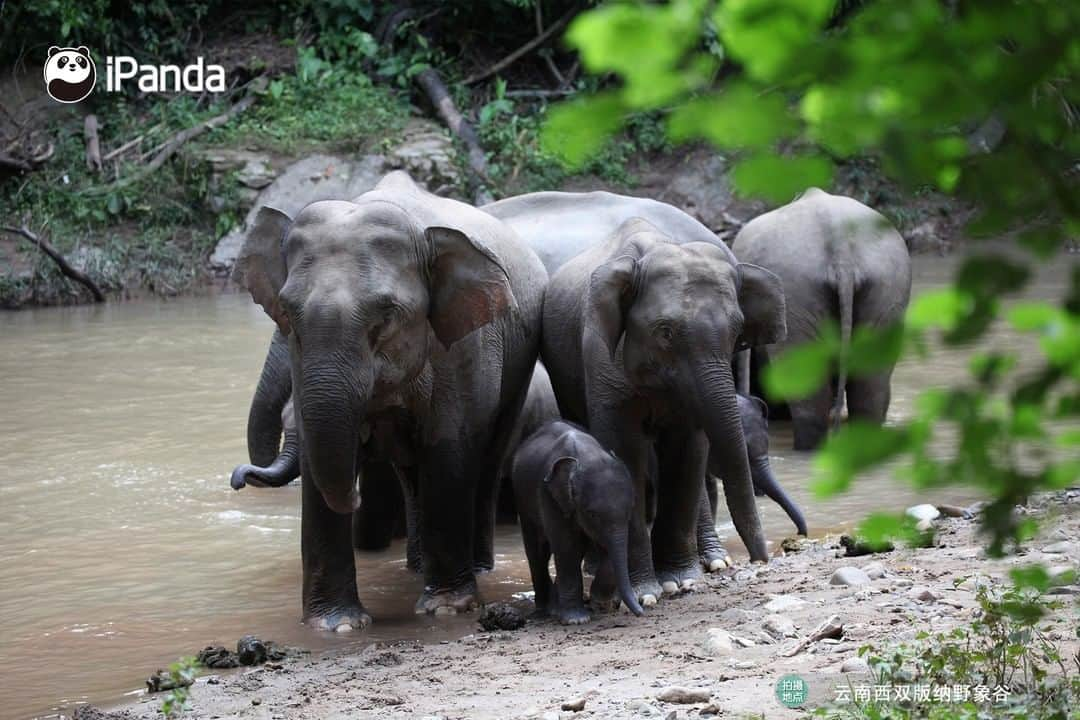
pixel 730 641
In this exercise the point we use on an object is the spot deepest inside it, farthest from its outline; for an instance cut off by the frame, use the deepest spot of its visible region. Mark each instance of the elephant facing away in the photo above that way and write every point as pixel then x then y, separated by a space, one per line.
pixel 841 262
pixel 638 336
pixel 413 327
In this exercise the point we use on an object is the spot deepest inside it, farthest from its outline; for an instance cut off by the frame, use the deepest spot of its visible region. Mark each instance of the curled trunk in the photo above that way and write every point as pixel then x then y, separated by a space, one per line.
pixel 766 482
pixel 727 448
pixel 283 470
pixel 273 391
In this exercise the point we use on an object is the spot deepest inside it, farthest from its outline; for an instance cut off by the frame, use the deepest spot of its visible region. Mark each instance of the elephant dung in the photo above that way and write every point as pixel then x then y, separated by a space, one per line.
pixel 251 650
pixel 501 616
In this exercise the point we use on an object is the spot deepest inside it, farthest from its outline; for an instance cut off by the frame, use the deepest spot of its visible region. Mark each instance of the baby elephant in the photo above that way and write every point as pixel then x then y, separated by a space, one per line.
pixel 570 493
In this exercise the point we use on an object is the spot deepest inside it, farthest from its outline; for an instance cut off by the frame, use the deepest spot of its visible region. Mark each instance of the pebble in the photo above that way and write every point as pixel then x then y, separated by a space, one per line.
pixel 922 593
pixel 642 708
pixel 738 616
pixel 574 705
pixel 709 709
pixel 783 603
pixel 855 665
pixel 874 570
pixel 742 641
pixel 256 701
pixel 902 582
pixel 849 576
pixel 1058 548
pixel 779 627
pixel 683 695
pixel 740 665
pixel 718 642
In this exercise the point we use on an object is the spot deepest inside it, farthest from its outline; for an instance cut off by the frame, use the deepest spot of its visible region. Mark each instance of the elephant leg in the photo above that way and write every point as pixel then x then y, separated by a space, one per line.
pixel 330 598
pixel 448 483
pixel 409 480
pixel 683 456
pixel 381 507
pixel 569 551
pixel 868 397
pixel 810 418
pixel 538 553
pixel 484 532
pixel 505 504
pixel 711 551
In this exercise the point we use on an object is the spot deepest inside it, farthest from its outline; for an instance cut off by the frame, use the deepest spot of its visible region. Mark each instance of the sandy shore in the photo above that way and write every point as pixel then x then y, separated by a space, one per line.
pixel 732 638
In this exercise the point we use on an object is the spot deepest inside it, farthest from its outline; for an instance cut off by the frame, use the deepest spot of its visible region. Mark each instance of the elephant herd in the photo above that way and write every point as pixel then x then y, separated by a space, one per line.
pixel 403 374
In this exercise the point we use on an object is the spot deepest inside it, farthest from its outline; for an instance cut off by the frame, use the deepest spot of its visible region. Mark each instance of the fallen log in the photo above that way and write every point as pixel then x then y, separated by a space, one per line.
pixel 59 259
pixel 432 84
pixel 122 149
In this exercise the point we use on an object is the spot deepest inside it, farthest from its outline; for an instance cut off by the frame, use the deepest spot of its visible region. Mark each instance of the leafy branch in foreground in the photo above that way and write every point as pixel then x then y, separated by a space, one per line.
pixel 793 87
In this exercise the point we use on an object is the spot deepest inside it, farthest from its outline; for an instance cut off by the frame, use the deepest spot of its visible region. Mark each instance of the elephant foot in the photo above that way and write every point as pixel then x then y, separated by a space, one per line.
pixel 716 560
pixel 482 567
pixel 574 616
pixel 340 620
pixel 648 591
pixel 451 601
pixel 679 580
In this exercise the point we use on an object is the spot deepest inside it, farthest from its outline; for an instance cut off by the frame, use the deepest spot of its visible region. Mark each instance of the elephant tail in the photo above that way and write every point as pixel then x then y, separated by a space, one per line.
pixel 845 291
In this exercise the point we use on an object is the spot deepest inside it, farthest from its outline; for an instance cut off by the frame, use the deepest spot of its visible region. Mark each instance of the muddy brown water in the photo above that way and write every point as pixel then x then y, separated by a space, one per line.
pixel 123 547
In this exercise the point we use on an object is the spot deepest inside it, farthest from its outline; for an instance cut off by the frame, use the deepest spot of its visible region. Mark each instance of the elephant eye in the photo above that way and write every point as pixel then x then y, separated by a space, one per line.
pixel 664 333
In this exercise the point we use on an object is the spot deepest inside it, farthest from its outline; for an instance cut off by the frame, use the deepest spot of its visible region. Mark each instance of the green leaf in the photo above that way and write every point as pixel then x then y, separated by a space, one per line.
pixel 739 117
pixel 779 179
pixel 938 309
pixel 578 129
pixel 875 349
pixel 799 371
pixel 855 447
pixel 769 36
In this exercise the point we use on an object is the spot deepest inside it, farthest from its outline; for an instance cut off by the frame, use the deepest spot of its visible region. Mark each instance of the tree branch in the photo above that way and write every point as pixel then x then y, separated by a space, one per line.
pixel 59 259
pixel 524 49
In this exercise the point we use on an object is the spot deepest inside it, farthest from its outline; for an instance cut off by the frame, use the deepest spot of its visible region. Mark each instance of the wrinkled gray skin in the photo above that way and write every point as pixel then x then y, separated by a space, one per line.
pixel 755 423
pixel 413 324
pixel 572 493
pixel 840 261
pixel 540 407
pixel 639 331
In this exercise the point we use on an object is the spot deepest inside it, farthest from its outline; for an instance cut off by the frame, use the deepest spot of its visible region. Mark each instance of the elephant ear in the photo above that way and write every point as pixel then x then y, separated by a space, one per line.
pixel 761 298
pixel 260 266
pixel 469 286
pixel 560 483
pixel 761 405
pixel 610 295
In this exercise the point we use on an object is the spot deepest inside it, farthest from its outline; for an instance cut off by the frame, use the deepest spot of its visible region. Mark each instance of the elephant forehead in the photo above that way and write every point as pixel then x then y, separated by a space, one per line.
pixel 379 229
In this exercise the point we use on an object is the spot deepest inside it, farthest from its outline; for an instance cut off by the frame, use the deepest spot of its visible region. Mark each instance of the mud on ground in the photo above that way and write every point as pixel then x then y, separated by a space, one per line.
pixel 619 664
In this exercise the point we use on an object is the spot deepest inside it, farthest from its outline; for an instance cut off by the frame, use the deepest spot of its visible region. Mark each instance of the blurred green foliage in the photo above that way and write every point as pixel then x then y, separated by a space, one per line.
pixel 794 87
pixel 1009 644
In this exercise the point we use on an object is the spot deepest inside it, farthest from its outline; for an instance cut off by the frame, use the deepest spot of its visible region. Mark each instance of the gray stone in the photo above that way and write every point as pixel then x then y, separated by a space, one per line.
pixel 779 627
pixel 574 705
pixel 718 642
pixel 855 665
pixel 874 570
pixel 849 576
pixel 427 153
pixel 1059 548
pixel 642 708
pixel 783 603
pixel 738 616
pixel 922 593
pixel 683 695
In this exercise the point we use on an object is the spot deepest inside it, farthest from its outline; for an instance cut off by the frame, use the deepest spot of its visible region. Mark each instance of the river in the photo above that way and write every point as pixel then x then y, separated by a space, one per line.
pixel 124 547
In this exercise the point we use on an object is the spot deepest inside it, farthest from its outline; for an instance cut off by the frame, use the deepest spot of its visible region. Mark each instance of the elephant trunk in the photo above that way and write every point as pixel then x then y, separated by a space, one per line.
pixel 727 447
pixel 617 554
pixel 273 391
pixel 766 482
pixel 284 469
pixel 330 411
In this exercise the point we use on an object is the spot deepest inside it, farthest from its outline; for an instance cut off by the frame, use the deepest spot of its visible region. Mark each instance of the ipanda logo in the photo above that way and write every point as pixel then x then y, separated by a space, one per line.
pixel 70 75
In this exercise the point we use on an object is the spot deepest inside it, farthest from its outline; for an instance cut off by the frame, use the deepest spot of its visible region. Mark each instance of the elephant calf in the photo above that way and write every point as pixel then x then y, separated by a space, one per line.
pixel 571 492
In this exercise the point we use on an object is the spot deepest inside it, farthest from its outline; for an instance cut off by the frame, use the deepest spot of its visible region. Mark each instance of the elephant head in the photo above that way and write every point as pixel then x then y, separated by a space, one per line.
pixel 363 290
pixel 678 313
pixel 755 422
pixel 598 494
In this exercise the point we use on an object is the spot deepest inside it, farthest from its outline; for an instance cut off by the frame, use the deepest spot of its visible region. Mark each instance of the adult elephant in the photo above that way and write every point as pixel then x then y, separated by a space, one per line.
pixel 840 262
pixel 559 226
pixel 413 326
pixel 639 331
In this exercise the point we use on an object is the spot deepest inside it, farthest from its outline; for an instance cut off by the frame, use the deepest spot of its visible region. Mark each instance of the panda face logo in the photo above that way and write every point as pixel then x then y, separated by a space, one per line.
pixel 70 74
